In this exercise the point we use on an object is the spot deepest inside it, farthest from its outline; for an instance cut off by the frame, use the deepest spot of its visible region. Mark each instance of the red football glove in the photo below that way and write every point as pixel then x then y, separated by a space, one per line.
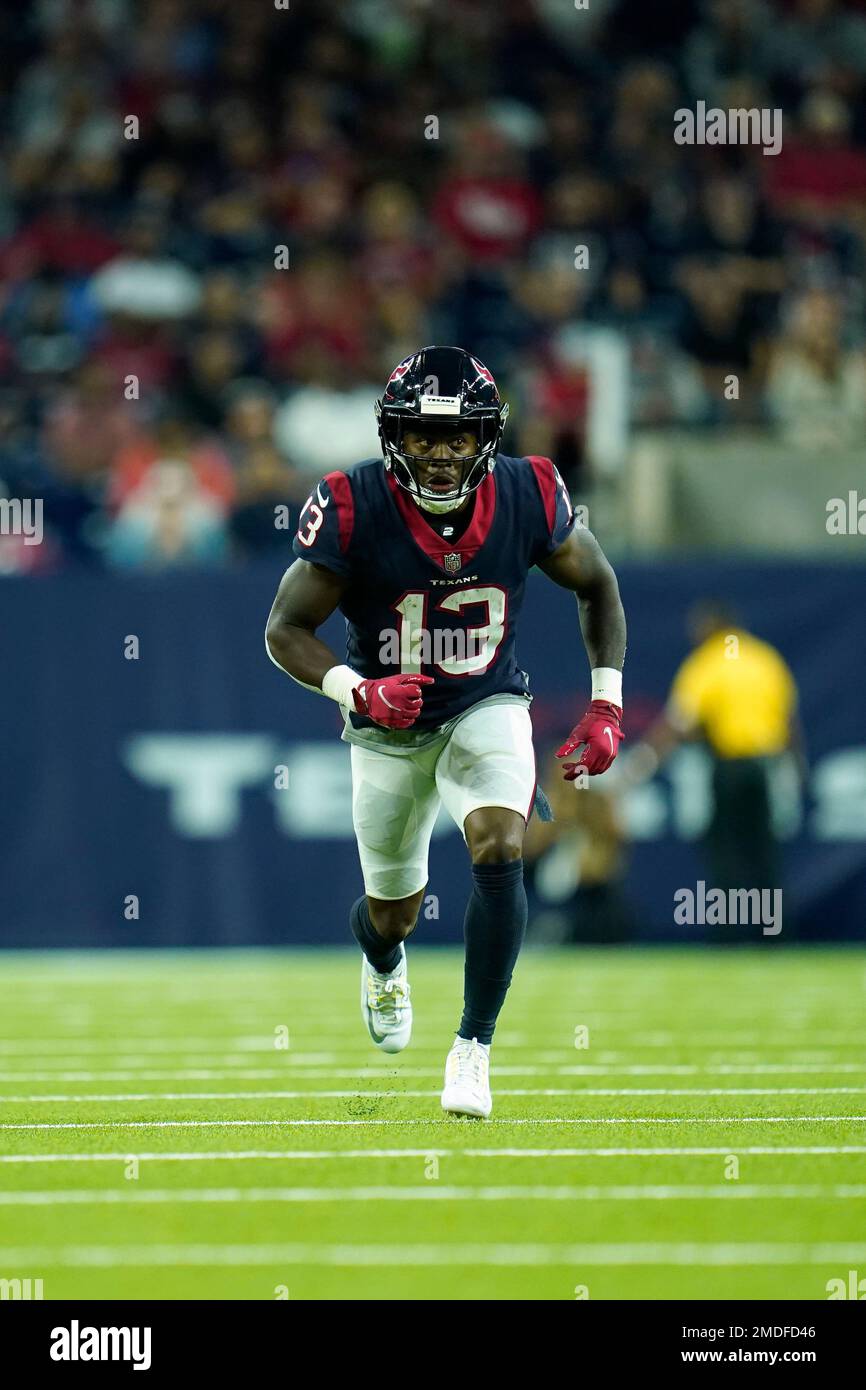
pixel 601 730
pixel 393 701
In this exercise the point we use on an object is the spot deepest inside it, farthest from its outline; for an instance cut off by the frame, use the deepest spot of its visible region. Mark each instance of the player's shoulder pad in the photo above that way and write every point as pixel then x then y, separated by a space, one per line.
pixel 327 522
pixel 554 494
pixel 366 476
pixel 332 513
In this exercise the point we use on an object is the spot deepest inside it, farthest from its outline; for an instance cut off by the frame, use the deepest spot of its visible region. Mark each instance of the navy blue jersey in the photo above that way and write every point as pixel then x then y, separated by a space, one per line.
pixel 417 602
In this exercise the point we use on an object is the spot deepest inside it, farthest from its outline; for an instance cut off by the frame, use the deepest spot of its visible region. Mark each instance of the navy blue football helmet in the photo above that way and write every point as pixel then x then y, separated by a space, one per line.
pixel 440 390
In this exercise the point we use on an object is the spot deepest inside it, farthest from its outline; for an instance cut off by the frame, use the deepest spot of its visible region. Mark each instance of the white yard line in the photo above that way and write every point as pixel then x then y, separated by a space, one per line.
pixel 131 1195
pixel 441 1120
pixel 344 1061
pixel 371 1072
pixel 223 1041
pixel 574 1092
pixel 329 1155
pixel 219 1043
pixel 833 1256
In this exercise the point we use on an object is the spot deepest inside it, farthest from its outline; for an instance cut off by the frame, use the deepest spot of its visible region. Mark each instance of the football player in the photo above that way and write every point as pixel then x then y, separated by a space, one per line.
pixel 427 559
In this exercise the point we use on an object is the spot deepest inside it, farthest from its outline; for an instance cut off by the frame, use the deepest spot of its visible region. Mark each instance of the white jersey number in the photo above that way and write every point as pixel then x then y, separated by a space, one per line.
pixel 463 651
pixel 317 516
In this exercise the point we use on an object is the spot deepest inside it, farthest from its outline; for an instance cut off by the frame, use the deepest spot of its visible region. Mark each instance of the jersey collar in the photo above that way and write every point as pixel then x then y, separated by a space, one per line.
pixel 436 547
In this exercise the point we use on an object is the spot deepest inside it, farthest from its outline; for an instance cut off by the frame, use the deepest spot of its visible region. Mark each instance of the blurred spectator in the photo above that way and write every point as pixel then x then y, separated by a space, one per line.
pixel 270 495
pixel 820 37
pixel 175 440
pixel 168 520
pixel 817 386
pixel 324 424
pixel 735 38
pixel 88 426
pixel 665 386
pixel 715 330
pixel 249 418
pixel 63 237
pixel 318 310
pixel 396 251
pixel 143 282
pixel 820 172
pixel 214 361
pixel 485 204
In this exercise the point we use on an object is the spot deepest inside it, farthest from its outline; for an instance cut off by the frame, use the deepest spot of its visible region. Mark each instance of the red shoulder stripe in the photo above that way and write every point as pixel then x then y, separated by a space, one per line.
pixel 341 491
pixel 544 476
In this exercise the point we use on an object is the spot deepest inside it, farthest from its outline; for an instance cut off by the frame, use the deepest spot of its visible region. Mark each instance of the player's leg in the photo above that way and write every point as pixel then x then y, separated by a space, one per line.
pixel 394 807
pixel 379 925
pixel 486 778
pixel 495 922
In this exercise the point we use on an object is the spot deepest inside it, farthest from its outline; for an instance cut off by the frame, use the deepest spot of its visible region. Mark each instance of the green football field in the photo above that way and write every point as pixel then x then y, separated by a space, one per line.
pixel 666 1124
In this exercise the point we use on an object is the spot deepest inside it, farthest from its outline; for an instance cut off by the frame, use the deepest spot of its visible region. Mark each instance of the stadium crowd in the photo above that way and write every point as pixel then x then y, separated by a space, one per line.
pixel 222 224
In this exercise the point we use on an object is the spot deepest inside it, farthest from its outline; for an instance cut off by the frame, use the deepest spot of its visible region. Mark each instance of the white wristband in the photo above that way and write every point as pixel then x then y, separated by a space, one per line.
pixel 607 685
pixel 338 684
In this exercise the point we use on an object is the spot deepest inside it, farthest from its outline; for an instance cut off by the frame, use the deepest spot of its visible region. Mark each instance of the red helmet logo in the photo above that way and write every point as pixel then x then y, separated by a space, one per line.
pixel 400 370
pixel 482 370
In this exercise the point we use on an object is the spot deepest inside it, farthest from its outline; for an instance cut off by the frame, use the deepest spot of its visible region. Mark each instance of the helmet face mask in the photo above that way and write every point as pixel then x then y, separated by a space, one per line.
pixel 440 393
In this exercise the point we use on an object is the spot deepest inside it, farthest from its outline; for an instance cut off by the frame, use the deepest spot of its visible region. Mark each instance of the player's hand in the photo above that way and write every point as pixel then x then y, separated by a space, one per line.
pixel 600 730
pixel 393 701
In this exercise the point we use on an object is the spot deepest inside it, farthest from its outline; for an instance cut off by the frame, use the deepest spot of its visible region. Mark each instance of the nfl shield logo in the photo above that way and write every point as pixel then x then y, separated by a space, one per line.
pixel 452 562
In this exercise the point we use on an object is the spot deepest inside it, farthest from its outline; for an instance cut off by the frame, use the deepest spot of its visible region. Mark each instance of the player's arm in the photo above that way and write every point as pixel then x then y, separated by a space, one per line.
pixel 579 564
pixel 307 596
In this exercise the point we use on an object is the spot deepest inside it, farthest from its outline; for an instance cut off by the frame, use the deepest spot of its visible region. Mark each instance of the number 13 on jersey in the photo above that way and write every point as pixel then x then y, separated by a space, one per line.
pixel 454 651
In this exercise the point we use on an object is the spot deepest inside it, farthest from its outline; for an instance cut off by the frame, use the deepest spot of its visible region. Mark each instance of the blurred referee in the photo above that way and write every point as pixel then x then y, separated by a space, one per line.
pixel 736 694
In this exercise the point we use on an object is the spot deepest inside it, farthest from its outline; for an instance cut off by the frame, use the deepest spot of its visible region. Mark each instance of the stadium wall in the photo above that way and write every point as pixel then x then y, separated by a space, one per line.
pixel 147 739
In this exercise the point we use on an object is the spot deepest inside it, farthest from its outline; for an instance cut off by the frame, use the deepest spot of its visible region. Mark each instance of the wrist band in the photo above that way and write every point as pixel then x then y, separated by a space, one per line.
pixel 607 685
pixel 338 684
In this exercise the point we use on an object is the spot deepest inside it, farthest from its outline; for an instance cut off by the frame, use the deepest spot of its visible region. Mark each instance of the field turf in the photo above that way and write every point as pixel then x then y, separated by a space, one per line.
pixel 217 1125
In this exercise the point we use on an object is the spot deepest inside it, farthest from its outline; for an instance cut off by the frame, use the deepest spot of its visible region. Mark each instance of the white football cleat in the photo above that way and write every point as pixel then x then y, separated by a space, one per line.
pixel 467 1085
pixel 385 1006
